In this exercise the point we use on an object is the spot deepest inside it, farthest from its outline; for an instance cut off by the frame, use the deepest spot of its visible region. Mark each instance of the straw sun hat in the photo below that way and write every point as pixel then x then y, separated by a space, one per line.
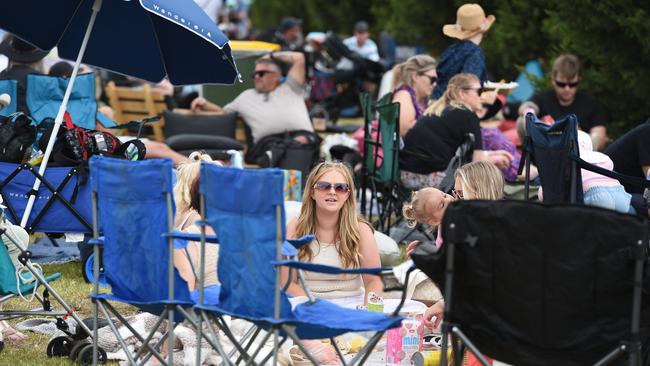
pixel 470 21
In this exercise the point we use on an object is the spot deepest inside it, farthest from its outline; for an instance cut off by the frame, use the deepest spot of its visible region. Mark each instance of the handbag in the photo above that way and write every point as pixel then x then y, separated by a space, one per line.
pixel 16 137
pixel 76 145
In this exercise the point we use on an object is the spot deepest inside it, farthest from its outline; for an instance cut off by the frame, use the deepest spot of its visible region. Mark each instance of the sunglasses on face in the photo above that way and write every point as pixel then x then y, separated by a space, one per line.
pixel 432 79
pixel 338 187
pixel 458 194
pixel 261 73
pixel 564 85
pixel 479 90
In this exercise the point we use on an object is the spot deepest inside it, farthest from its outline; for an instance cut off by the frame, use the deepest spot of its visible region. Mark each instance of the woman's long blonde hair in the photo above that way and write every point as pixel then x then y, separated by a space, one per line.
pixel 451 96
pixel 481 180
pixel 187 183
pixel 348 224
pixel 418 64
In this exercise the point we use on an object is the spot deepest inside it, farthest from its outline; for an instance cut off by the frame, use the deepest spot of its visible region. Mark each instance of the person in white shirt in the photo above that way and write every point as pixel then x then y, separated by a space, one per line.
pixel 361 43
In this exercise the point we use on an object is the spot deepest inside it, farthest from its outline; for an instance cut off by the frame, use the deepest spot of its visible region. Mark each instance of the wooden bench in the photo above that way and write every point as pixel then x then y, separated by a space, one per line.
pixel 131 104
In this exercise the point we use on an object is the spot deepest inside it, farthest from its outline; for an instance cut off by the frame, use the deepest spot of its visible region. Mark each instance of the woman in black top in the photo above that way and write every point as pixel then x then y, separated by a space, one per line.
pixel 432 142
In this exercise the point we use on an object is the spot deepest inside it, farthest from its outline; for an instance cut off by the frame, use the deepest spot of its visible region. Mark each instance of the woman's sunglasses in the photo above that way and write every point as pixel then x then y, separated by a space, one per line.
pixel 338 187
pixel 458 194
pixel 432 79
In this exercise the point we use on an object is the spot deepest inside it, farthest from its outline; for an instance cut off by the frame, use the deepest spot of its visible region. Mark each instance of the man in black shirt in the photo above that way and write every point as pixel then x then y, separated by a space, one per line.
pixel 631 154
pixel 565 99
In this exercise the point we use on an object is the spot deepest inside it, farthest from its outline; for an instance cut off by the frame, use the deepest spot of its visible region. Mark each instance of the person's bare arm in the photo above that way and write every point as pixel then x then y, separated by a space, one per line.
pixel 369 259
pixel 201 104
pixel 598 137
pixel 406 111
pixel 500 158
pixel 297 62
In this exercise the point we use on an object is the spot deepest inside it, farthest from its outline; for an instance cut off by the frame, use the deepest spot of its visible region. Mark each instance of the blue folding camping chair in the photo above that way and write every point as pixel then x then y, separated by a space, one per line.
pixel 134 207
pixel 249 219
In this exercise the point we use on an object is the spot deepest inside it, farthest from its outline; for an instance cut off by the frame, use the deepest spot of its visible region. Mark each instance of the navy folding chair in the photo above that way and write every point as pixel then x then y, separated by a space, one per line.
pixel 249 219
pixel 554 150
pixel 134 207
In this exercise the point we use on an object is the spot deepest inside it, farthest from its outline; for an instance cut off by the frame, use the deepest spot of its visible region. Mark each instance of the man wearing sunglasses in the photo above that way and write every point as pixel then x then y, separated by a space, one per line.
pixel 274 106
pixel 565 99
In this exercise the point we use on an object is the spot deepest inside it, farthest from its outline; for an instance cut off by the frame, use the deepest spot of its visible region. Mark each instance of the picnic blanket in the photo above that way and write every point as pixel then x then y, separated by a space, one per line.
pixel 45 252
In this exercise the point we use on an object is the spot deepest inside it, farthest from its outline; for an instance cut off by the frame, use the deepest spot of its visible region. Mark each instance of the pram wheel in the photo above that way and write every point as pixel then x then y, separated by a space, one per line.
pixel 59 346
pixel 86 355
pixel 88 268
pixel 78 346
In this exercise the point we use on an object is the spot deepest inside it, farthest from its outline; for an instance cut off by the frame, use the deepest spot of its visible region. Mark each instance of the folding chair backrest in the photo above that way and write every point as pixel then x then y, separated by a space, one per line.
pixel 9 87
pixel 551 148
pixel 543 284
pixel 45 93
pixel 133 104
pixel 135 210
pixel 246 209
pixel 382 149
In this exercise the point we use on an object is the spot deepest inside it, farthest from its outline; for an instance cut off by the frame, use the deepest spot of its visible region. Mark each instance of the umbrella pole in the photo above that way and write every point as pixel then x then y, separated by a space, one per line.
pixel 59 116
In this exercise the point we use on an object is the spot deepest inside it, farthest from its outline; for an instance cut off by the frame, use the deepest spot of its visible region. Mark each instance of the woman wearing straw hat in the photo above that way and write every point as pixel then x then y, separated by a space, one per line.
pixel 466 55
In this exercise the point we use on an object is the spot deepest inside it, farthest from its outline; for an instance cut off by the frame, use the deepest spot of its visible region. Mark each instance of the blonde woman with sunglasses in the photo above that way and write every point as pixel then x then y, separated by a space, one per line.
pixel 343 238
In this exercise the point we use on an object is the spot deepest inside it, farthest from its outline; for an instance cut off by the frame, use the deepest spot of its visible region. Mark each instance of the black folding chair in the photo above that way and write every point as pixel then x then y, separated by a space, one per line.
pixel 538 284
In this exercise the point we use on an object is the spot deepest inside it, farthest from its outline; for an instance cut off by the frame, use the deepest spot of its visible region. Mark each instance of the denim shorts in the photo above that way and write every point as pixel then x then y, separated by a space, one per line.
pixel 611 197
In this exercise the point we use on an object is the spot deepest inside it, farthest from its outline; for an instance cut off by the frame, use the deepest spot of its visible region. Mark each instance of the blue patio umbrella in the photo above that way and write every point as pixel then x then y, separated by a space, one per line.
pixel 147 39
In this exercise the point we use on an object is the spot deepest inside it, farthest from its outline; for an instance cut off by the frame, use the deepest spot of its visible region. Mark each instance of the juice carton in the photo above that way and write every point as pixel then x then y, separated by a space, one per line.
pixel 403 342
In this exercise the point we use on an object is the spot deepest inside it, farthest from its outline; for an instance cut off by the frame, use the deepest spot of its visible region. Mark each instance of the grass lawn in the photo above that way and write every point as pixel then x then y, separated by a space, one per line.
pixel 74 291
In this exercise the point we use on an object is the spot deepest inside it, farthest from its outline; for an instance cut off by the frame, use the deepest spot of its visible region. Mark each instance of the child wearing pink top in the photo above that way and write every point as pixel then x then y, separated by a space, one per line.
pixel 600 190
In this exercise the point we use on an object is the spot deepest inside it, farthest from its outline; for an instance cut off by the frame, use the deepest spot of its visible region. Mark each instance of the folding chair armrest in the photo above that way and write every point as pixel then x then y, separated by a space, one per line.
pixel 321 268
pixel 192 236
pixel 299 242
pixel 99 241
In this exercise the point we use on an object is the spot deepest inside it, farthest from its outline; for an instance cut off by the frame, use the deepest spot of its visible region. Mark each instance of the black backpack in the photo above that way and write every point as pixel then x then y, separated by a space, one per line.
pixel 16 137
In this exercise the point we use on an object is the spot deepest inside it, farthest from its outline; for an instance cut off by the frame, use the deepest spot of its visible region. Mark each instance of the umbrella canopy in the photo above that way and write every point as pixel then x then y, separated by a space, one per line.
pixel 147 39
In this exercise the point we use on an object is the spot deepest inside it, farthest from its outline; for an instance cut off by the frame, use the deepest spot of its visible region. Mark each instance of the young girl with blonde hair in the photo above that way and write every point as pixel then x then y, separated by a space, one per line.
pixel 477 180
pixel 187 198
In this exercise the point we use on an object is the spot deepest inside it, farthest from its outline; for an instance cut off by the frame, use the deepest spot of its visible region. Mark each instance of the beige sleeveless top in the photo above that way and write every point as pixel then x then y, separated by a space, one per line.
pixel 194 248
pixel 327 286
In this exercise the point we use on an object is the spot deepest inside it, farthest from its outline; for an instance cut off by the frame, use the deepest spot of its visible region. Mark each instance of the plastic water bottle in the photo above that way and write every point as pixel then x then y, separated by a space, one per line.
pixel 236 159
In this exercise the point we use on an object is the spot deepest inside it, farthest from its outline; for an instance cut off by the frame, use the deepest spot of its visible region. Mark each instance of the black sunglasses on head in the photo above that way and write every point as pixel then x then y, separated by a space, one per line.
pixel 338 187
pixel 564 85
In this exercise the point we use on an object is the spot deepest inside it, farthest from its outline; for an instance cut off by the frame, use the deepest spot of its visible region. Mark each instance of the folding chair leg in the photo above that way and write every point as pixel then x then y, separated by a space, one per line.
pixel 613 356
pixel 465 341
pixel 251 360
pixel 116 332
pixel 338 351
pixel 296 340
pixel 252 332
pixel 364 353
pixel 266 359
pixel 145 343
pixel 222 324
